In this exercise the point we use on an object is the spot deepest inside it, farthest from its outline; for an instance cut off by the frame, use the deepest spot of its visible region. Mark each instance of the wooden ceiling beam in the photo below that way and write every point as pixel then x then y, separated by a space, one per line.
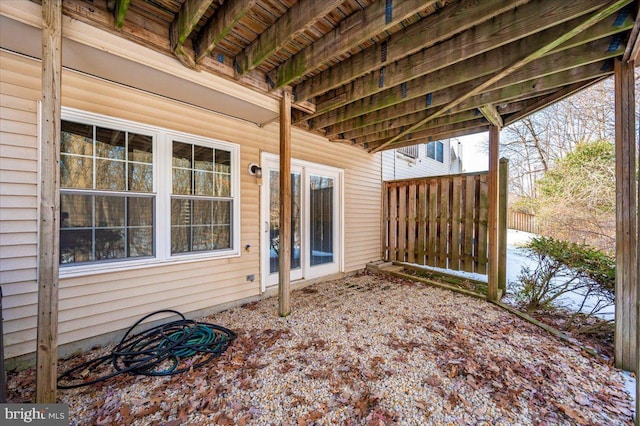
pixel 410 78
pixel 438 86
pixel 545 101
pixel 226 17
pixel 351 32
pixel 300 17
pixel 415 108
pixel 544 47
pixel 406 120
pixel 543 85
pixel 400 122
pixel 151 37
pixel 538 87
pixel 183 25
pixel 492 115
pixel 436 28
pixel 119 13
pixel 104 19
pixel 633 46
pixel 553 81
pixel 480 39
pixel 425 131
pixel 454 133
pixel 390 118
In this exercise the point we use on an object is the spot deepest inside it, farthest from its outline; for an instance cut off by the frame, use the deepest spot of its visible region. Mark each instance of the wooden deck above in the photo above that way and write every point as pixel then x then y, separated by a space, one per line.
pixel 383 74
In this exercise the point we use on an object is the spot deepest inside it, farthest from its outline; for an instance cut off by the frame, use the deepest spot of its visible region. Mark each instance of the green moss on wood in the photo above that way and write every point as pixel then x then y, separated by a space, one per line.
pixel 121 12
pixel 293 69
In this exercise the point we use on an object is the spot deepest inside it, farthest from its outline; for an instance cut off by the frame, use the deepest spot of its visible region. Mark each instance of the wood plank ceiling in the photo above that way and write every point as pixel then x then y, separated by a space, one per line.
pixel 382 74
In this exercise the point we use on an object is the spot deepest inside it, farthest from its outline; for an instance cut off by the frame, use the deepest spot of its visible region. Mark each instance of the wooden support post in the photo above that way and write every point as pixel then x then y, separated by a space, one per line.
pixel 638 300
pixel 502 224
pixel 49 220
pixel 492 226
pixel 637 420
pixel 284 258
pixel 626 220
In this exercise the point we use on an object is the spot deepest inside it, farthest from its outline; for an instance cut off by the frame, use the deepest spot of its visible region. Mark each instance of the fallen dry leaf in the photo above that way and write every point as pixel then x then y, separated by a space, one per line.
pixel 341 350
pixel 582 400
pixel 572 413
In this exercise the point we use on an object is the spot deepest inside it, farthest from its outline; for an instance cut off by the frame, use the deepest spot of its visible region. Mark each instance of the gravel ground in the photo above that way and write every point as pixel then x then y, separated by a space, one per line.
pixel 366 350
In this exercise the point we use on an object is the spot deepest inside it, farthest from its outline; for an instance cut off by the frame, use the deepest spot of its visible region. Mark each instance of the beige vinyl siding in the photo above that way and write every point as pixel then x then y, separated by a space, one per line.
pixel 95 304
pixel 18 207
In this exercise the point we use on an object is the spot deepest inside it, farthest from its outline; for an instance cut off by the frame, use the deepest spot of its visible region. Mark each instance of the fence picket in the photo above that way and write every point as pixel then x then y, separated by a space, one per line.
pixel 422 216
pixel 432 220
pixel 444 211
pixel 483 214
pixel 438 221
pixel 454 261
pixel 393 222
pixel 468 215
pixel 411 225
pixel 522 221
pixel 402 223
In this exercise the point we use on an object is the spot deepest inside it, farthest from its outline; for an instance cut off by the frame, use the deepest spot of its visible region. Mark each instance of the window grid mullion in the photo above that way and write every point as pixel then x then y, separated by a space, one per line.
pixel 126 161
pixel 126 199
pixel 126 227
pixel 93 227
pixel 93 159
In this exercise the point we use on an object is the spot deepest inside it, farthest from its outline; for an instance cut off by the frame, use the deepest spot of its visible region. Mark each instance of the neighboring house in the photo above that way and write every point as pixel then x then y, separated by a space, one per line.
pixel 428 159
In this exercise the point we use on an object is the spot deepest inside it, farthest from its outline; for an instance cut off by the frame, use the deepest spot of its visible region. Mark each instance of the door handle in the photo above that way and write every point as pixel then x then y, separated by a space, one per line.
pixel 266 226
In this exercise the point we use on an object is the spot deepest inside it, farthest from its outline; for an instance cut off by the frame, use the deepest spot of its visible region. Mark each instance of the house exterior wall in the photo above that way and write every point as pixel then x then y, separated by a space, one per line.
pixel 96 304
pixel 396 165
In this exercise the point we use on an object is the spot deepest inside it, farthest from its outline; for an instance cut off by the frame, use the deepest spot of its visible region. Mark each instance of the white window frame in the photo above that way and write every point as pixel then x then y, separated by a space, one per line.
pixel 162 152
pixel 435 151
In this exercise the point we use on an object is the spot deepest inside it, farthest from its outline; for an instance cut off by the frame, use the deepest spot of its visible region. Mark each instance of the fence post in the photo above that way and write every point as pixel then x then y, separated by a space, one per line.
pixel 494 195
pixel 502 223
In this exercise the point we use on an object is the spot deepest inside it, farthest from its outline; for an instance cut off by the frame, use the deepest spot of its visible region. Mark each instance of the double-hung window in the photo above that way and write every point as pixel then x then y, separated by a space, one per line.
pixel 133 194
pixel 106 197
pixel 435 150
pixel 201 202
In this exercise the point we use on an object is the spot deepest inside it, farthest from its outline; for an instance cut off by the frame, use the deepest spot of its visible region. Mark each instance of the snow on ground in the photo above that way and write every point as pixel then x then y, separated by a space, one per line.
pixel 516 257
pixel 516 260
pixel 630 385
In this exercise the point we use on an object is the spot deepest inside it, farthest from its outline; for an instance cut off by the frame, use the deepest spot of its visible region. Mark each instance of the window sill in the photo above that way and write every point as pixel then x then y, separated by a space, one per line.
pixel 130 265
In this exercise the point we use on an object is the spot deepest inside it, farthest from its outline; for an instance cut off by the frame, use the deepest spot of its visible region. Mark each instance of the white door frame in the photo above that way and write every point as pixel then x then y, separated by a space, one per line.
pixel 269 279
pixel 306 169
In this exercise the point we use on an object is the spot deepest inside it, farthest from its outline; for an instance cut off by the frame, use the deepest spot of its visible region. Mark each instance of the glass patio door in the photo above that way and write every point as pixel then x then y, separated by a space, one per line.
pixel 273 223
pixel 321 220
pixel 315 225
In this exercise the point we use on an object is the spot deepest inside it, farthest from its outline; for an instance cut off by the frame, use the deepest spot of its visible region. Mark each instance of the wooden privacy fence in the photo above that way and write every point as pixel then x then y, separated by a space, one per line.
pixel 438 221
pixel 522 221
